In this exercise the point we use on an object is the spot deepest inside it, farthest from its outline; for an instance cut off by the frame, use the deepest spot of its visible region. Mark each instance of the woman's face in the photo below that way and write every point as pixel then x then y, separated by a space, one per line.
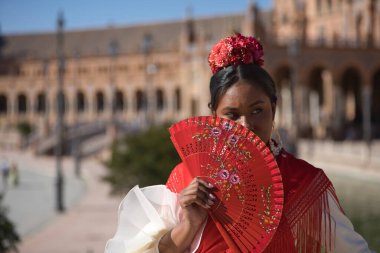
pixel 250 106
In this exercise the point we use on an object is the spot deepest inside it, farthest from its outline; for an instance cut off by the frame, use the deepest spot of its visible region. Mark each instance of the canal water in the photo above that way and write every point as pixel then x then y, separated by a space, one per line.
pixel 360 198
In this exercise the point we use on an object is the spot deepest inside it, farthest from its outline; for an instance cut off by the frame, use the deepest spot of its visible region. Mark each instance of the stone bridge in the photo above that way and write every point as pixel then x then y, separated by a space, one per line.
pixel 84 139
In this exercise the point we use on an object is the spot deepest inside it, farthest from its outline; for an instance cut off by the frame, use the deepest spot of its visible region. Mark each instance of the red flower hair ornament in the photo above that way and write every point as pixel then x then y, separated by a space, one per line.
pixel 234 50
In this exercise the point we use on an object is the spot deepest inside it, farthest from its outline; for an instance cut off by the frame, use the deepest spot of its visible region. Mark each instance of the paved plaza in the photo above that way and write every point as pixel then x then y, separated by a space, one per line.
pixel 91 215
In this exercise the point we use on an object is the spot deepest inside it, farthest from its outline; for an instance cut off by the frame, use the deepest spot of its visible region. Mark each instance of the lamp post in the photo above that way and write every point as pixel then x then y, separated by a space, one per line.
pixel 293 51
pixel 60 111
pixel 149 68
pixel 76 149
pixel 113 52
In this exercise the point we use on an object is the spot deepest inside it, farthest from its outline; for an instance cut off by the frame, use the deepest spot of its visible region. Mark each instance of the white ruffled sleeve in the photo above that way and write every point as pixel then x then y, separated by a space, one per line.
pixel 145 215
pixel 346 239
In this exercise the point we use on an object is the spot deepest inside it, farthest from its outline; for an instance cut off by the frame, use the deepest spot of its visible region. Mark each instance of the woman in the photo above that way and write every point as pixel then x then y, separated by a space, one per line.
pixel 312 220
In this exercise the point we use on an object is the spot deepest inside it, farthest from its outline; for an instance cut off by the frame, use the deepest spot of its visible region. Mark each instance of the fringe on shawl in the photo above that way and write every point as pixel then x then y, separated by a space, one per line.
pixel 309 216
pixel 306 225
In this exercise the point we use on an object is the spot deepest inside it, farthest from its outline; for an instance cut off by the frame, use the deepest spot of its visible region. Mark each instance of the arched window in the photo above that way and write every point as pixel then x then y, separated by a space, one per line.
pixel 140 100
pixel 177 99
pixel 119 101
pixel 41 103
pixel 81 102
pixel 99 101
pixel 160 103
pixel 3 104
pixel 21 103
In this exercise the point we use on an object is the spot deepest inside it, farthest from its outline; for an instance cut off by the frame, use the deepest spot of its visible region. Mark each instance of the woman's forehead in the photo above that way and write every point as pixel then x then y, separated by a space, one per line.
pixel 243 91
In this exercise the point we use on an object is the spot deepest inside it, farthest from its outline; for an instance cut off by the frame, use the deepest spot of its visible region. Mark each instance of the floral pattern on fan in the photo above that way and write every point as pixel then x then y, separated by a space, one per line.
pixel 214 133
pixel 226 177
pixel 248 184
pixel 269 214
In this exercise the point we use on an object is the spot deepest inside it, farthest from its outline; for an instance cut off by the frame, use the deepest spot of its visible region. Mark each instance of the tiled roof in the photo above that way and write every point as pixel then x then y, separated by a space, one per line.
pixel 165 37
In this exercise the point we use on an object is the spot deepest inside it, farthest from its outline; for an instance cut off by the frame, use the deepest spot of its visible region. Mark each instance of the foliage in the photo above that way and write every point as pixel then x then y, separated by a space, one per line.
pixel 146 158
pixel 8 236
pixel 24 128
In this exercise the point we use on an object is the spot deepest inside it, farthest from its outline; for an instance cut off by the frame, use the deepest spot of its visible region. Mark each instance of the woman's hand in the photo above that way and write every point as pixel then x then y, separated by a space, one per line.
pixel 195 199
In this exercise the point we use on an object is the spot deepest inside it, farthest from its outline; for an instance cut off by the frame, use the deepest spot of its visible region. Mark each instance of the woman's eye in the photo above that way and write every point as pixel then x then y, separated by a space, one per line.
pixel 257 111
pixel 231 116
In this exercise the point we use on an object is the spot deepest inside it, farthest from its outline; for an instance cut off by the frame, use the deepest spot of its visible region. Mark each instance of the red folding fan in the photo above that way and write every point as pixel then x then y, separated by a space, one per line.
pixel 248 184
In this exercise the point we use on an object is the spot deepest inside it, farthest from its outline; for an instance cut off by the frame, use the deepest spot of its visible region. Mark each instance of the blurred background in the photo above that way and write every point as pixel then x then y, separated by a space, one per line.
pixel 88 89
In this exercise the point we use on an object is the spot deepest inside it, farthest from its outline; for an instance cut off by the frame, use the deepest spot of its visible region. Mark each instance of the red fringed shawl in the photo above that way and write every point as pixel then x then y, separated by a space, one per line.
pixel 306 210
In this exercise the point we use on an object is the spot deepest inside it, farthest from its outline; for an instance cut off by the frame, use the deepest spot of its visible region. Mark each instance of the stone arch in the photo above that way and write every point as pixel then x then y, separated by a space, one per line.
pixel 80 101
pixel 41 103
pixel 350 83
pixel 119 101
pixel 160 99
pixel 375 104
pixel 100 101
pixel 3 104
pixel 22 103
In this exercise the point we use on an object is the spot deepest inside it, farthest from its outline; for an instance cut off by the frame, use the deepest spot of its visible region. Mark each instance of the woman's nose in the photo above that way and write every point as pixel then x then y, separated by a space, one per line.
pixel 245 122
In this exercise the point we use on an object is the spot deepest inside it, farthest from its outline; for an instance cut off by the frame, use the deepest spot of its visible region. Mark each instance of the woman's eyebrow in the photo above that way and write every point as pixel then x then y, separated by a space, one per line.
pixel 256 103
pixel 229 108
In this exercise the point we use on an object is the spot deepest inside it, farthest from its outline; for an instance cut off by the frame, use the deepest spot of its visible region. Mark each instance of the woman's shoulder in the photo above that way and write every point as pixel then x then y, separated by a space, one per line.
pixel 289 163
pixel 295 170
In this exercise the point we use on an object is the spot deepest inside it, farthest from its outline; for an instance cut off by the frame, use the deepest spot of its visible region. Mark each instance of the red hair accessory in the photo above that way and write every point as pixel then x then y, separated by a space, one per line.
pixel 235 50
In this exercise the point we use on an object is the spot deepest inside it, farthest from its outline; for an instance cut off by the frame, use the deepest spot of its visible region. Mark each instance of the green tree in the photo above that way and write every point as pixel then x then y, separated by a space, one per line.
pixel 25 129
pixel 142 159
pixel 8 235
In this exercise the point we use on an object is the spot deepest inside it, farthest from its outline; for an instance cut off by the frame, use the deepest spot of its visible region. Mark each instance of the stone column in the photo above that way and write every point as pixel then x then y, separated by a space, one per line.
pixel 11 105
pixel 366 107
pixel 337 123
pixel 90 108
pixel 169 104
pixel 328 101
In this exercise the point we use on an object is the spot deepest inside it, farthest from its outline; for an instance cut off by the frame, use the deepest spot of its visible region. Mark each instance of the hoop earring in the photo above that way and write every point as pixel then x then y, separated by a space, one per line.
pixel 276 135
pixel 275 144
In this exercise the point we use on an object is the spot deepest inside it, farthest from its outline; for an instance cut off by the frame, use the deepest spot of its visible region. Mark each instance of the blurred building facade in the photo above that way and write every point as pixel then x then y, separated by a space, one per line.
pixel 323 55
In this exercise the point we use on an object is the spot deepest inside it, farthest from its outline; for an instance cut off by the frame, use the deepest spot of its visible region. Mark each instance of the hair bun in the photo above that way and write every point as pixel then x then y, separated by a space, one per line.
pixel 234 50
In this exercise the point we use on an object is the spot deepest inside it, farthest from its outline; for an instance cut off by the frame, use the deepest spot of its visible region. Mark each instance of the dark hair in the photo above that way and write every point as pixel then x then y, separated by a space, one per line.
pixel 222 80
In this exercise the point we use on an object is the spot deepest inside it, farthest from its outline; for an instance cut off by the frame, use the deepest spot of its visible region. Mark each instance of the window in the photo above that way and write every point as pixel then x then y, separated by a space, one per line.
pixel 177 99
pixel 21 104
pixel 81 102
pixel 119 100
pixel 99 101
pixel 41 103
pixel 160 100
pixel 3 104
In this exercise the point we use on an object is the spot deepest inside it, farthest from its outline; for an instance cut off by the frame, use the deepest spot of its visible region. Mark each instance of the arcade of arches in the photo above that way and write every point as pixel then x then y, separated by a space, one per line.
pixel 329 104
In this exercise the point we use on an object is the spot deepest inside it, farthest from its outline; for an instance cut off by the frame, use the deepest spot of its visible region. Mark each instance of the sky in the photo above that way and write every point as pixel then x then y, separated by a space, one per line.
pixel 30 16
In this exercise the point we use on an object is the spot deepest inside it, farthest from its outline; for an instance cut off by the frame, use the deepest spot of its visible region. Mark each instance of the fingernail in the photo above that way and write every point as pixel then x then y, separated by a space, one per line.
pixel 211 196
pixel 210 202
pixel 210 185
